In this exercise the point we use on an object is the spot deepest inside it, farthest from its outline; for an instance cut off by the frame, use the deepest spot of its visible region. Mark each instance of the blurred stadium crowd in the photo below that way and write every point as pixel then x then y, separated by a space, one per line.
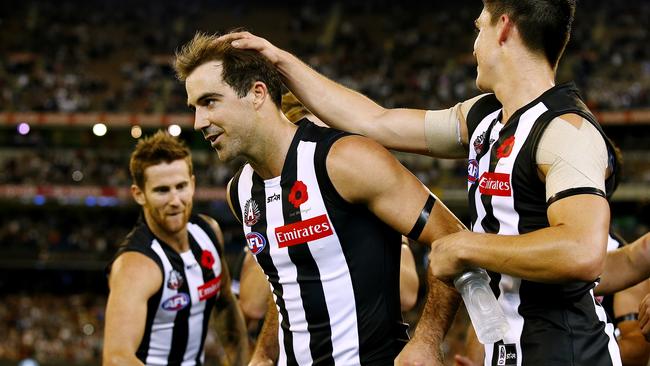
pixel 114 56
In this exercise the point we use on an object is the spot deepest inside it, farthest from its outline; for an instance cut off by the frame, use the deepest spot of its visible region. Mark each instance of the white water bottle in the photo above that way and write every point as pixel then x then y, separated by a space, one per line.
pixel 484 311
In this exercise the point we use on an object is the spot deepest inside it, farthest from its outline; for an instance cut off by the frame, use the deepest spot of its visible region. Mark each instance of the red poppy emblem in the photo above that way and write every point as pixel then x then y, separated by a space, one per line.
pixel 207 259
pixel 506 148
pixel 298 194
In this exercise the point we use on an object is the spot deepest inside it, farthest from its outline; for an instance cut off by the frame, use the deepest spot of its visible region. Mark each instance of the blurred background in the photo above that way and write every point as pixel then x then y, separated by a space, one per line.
pixel 81 81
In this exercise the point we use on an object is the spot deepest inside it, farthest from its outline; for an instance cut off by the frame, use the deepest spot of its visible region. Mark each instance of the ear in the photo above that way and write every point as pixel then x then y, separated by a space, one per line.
pixel 259 92
pixel 505 27
pixel 138 195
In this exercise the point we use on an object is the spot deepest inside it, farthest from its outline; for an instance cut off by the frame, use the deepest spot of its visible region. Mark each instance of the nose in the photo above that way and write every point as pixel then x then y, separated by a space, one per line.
pixel 175 199
pixel 200 119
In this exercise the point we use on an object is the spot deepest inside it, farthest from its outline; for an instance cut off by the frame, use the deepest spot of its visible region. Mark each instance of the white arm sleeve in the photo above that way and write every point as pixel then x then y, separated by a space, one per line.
pixel 577 157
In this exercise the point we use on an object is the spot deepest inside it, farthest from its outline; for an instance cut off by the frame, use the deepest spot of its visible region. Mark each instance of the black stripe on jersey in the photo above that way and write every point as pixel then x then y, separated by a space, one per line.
pixel 472 190
pixel 575 191
pixel 308 274
pixel 203 224
pixel 264 259
pixel 479 110
pixel 152 307
pixel 208 274
pixel 490 223
pixel 377 330
pixel 181 322
pixel 561 326
pixel 234 197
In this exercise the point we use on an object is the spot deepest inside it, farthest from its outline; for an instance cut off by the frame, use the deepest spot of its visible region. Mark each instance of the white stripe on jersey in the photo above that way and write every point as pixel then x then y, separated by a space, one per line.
pixel 503 208
pixel 160 341
pixel 288 276
pixel 612 345
pixel 196 322
pixel 244 189
pixel 504 211
pixel 328 255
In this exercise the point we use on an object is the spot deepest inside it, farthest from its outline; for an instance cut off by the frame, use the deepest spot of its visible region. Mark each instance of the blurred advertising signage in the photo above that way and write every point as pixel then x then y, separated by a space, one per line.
pixel 87 195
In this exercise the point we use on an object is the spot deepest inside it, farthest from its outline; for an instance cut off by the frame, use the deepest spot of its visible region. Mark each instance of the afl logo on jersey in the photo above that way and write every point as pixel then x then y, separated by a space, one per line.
pixel 251 212
pixel 472 170
pixel 175 280
pixel 176 302
pixel 256 242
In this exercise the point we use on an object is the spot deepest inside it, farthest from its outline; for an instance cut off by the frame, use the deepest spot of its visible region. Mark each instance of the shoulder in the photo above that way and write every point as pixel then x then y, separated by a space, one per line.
pixel 477 108
pixel 212 227
pixel 353 152
pixel 138 271
pixel 360 167
pixel 573 133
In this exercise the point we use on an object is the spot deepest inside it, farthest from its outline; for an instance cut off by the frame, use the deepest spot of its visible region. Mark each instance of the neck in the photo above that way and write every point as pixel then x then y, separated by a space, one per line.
pixel 270 154
pixel 178 241
pixel 525 80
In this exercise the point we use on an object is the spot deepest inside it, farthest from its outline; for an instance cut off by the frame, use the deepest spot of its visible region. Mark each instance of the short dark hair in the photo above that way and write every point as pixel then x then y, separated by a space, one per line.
pixel 544 25
pixel 155 149
pixel 240 68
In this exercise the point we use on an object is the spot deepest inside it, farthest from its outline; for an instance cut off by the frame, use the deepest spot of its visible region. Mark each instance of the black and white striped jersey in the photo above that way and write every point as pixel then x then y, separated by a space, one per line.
pixel 333 266
pixel 178 314
pixel 550 324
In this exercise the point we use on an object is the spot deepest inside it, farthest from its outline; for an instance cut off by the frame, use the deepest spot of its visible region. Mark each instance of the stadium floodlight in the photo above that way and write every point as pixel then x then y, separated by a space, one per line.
pixel 174 130
pixel 23 128
pixel 136 132
pixel 99 129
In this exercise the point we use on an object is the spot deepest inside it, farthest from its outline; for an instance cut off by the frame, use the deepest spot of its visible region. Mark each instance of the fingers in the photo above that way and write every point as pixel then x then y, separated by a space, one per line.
pixel 234 36
pixel 460 360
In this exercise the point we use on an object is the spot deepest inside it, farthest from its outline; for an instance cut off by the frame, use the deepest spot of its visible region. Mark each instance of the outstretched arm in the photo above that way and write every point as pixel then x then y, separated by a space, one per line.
pixel 625 267
pixel 348 110
pixel 363 172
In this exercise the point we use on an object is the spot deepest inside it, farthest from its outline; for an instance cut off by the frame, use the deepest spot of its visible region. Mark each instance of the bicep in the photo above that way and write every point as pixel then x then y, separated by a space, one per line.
pixel 364 172
pixel 584 219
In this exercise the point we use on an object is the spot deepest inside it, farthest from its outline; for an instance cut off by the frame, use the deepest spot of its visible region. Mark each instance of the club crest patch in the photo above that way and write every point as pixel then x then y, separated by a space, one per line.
pixel 175 280
pixel 251 212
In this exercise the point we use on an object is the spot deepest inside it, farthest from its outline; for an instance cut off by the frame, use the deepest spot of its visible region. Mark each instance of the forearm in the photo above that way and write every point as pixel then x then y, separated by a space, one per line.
pixel 348 110
pixel 114 358
pixel 439 310
pixel 267 347
pixel 232 331
pixel 335 104
pixel 625 267
pixel 550 255
pixel 633 346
